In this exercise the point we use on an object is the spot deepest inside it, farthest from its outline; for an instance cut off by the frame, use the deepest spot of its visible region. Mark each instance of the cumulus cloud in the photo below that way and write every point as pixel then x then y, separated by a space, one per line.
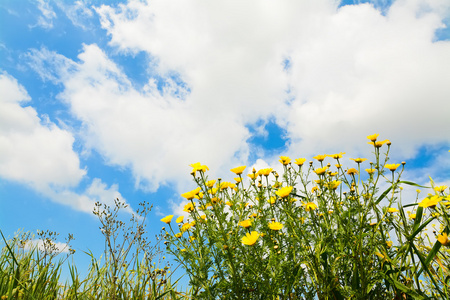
pixel 33 150
pixel 328 75
pixel 36 152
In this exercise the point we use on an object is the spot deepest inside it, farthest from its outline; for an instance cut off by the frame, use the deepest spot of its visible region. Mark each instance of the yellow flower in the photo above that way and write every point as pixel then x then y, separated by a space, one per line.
pixel 250 238
pixel 238 179
pixel 379 144
pixel 373 137
pixel 226 184
pixel 252 175
pixel 179 219
pixel 203 218
pixel 215 200
pixel 310 206
pixel 300 161
pixel 370 171
pixel 338 166
pixel 178 235
pixel 440 189
pixel 337 156
pixel 238 170
pixel 443 239
pixel 275 225
pixel 358 160
pixel 265 172
pixel 412 216
pixel 320 157
pixel 213 191
pixel 186 226
pixel 167 219
pixel 315 188
pixel 246 223
pixel 430 202
pixel 188 207
pixel 392 167
pixel 334 184
pixel 190 195
pixel 285 160
pixel 352 171
pixel 284 191
pixel 321 171
pixel 210 183
pixel 389 244
pixel 198 167
pixel 392 210
pixel 272 200
pixel 229 203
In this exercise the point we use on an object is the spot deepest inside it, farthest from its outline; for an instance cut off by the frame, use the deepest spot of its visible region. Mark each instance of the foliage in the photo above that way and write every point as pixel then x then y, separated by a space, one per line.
pixel 315 231
pixel 130 268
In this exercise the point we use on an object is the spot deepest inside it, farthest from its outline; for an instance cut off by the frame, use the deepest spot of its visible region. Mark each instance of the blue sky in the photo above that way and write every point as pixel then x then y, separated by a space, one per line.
pixel 106 99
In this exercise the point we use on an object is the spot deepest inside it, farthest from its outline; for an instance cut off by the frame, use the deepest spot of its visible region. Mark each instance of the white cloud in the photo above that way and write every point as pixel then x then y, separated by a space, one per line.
pixel 49 65
pixel 32 150
pixel 38 153
pixel 353 72
pixel 45 20
pixel 39 244
pixel 85 201
pixel 78 13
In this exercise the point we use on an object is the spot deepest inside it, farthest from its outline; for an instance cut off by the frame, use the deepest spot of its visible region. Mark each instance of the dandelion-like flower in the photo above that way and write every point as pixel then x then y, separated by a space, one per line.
pixel 440 189
pixel 179 219
pixel 358 160
pixel 320 157
pixel 321 171
pixel 392 210
pixel 300 161
pixel 199 167
pixel 238 170
pixel 167 219
pixel 275 226
pixel 373 137
pixel 443 239
pixel 370 171
pixel 352 171
pixel 250 238
pixel 252 175
pixel 430 202
pixel 188 207
pixel 191 195
pixel 310 206
pixel 337 155
pixel 284 191
pixel 265 172
pixel 246 223
pixel 392 167
pixel 334 184
pixel 285 160
pixel 210 183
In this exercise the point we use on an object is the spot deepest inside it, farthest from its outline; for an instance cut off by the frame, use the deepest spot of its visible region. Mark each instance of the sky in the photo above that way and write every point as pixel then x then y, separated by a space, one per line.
pixel 115 99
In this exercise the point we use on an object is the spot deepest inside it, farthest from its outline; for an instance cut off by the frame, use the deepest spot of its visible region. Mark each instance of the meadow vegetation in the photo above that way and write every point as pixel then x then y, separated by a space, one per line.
pixel 319 229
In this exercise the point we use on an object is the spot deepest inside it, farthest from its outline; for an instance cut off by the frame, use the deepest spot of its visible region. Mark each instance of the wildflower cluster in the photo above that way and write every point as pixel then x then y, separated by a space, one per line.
pixel 316 230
